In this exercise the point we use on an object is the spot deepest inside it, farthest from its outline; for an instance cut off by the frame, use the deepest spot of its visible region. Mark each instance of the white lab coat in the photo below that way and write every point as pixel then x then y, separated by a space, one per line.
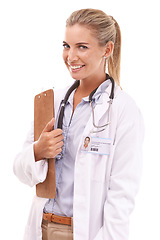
pixel 104 186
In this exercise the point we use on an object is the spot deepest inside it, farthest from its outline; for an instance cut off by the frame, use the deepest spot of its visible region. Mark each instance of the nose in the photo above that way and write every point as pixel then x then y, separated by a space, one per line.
pixel 72 55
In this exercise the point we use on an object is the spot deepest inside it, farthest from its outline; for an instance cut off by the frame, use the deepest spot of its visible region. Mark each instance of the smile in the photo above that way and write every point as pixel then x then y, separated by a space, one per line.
pixel 75 67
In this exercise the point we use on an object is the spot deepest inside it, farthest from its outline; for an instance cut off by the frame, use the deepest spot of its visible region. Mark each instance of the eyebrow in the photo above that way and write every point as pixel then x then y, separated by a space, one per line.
pixel 79 43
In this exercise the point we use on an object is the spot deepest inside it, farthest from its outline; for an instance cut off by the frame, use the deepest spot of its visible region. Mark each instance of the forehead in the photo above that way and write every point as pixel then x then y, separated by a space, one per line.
pixel 79 33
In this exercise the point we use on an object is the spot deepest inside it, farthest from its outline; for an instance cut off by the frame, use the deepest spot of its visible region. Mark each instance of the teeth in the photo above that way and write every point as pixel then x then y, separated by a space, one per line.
pixel 75 67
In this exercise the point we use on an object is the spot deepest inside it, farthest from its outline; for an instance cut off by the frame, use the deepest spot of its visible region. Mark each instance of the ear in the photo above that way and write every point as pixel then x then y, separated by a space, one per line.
pixel 109 49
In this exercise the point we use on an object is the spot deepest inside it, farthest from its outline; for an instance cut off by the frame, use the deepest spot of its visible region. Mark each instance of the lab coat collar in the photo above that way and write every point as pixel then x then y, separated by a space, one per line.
pixel 101 89
pixel 101 109
pixel 96 97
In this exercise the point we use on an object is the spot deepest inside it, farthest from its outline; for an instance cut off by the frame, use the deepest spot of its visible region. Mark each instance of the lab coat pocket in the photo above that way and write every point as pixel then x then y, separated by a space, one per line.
pixel 99 164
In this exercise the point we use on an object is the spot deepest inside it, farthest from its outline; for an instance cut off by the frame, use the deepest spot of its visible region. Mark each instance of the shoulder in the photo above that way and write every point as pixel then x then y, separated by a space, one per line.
pixel 126 108
pixel 59 95
pixel 124 101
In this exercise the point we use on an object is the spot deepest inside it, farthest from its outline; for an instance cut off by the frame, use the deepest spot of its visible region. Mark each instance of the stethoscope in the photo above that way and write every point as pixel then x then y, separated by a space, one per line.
pixel 71 89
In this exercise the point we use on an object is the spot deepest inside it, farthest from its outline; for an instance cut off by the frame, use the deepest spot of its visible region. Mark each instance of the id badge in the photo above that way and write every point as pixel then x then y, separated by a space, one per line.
pixel 96 145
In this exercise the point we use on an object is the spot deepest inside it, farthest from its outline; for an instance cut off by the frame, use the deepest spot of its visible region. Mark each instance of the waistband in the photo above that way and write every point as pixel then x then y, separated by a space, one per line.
pixel 57 219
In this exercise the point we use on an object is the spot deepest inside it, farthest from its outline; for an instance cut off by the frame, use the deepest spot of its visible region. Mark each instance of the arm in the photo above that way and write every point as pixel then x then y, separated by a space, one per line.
pixel 30 165
pixel 125 175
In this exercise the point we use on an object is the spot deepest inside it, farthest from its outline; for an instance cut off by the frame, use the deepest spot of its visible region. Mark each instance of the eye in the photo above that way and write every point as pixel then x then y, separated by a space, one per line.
pixel 66 46
pixel 83 47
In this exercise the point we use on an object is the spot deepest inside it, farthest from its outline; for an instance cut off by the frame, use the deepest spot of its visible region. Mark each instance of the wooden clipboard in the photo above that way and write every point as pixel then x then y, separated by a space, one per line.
pixel 43 113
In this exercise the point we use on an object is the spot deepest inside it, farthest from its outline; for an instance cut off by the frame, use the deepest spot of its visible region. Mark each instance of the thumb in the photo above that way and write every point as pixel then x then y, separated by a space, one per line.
pixel 49 126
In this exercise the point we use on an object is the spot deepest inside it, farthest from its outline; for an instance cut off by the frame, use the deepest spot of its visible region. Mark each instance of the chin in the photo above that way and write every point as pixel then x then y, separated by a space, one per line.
pixel 75 78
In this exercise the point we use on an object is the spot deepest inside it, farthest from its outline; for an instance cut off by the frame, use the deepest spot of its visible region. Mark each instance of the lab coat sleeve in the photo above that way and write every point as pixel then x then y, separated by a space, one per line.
pixel 125 174
pixel 25 168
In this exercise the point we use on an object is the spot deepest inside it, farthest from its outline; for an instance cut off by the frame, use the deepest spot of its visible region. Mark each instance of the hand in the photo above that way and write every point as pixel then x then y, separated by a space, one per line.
pixel 49 143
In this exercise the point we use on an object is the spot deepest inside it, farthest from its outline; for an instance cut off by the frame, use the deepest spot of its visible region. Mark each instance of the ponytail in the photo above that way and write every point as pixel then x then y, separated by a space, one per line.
pixel 115 59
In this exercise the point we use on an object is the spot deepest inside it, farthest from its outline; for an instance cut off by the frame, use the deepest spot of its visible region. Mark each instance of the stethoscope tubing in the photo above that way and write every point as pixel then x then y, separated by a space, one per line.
pixel 71 89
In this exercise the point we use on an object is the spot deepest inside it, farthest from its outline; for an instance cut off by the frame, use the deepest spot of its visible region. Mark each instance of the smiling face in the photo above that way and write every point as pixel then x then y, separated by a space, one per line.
pixel 82 54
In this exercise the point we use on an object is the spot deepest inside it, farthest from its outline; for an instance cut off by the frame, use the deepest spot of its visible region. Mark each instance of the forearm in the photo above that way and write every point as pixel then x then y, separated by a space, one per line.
pixel 25 168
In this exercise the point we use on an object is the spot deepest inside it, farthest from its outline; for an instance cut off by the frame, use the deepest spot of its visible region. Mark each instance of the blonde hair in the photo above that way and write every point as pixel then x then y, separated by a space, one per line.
pixel 105 29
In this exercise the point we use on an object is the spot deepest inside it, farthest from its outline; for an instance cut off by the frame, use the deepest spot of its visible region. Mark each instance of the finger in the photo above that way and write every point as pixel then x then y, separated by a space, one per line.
pixel 57 132
pixel 53 141
pixel 58 151
pixel 59 144
pixel 49 126
pixel 55 151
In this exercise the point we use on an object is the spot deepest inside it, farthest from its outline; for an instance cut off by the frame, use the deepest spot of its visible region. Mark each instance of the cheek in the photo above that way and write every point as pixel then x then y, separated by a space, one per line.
pixel 93 58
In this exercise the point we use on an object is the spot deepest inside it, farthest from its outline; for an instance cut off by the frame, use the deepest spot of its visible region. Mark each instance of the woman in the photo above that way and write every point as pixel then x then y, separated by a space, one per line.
pixel 96 187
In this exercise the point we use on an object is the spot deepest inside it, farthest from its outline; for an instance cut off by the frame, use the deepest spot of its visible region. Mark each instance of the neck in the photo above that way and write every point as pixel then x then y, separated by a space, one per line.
pixel 88 85
pixel 85 88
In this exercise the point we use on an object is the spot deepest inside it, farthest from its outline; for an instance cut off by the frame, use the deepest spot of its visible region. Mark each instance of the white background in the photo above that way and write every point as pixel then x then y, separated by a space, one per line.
pixel 31 35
